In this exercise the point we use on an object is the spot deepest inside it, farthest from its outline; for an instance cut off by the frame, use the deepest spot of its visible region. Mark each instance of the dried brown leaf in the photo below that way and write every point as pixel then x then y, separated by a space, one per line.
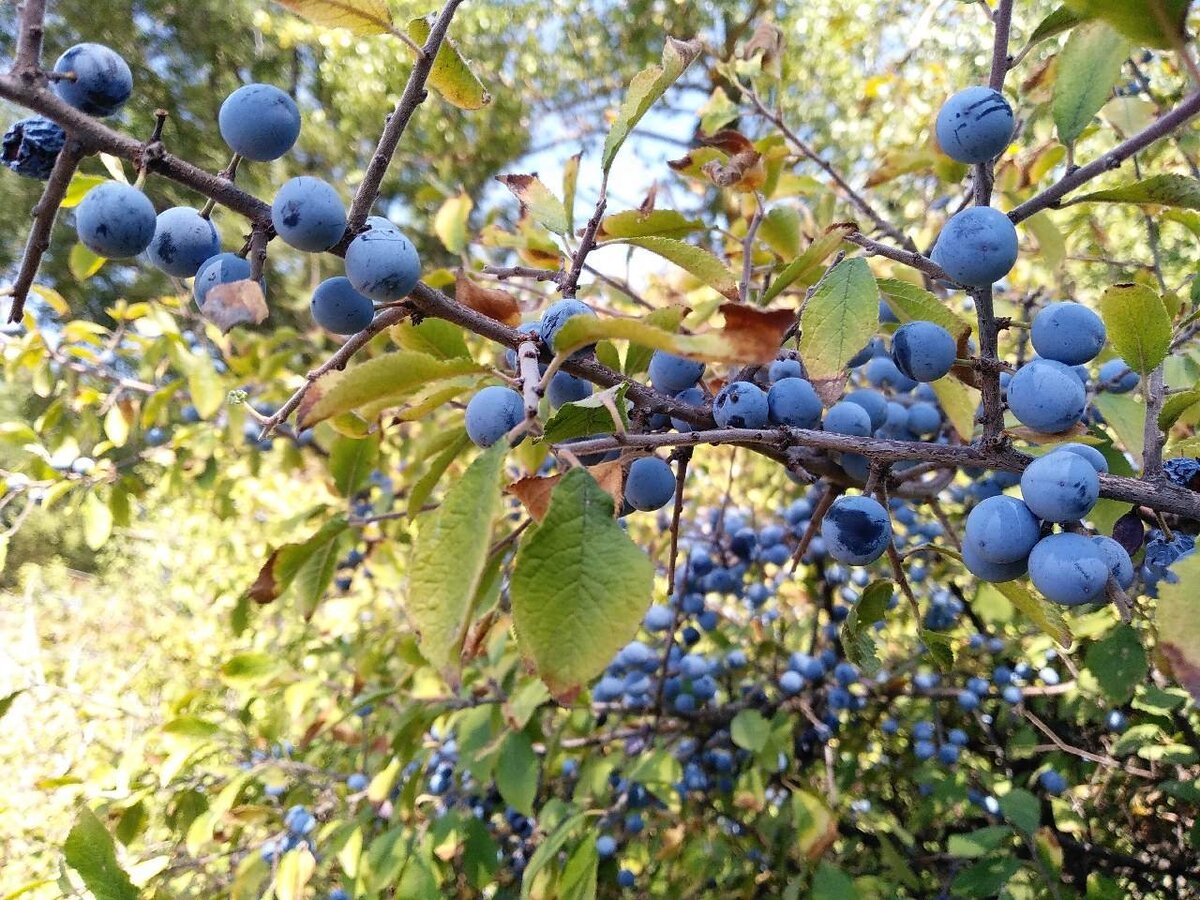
pixel 265 588
pixel 534 493
pixel 235 303
pixel 755 335
pixel 491 302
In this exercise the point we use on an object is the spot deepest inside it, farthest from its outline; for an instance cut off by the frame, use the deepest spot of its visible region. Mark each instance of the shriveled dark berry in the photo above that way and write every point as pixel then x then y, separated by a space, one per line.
pixel 1184 471
pixel 32 145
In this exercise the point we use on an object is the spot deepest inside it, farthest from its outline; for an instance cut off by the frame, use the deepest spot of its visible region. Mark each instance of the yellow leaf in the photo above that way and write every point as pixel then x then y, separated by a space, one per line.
pixel 358 16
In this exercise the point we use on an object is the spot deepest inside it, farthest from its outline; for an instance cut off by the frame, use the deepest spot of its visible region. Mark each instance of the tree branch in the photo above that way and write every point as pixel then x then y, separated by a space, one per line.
pixel 857 199
pixel 96 136
pixel 570 283
pixel 911 258
pixel 413 96
pixel 1156 131
pixel 531 388
pixel 1164 497
pixel 44 214
pixel 29 41
pixel 381 322
pixel 1000 60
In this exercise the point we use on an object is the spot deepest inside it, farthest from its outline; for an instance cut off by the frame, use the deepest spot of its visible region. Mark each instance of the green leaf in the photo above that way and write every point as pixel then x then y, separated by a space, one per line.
pixel 97 521
pixel 1041 613
pixel 656 223
pixel 449 558
pixel 806 269
pixel 1136 737
pixel 537 200
pixel 1060 20
pixel 450 223
pixel 979 842
pixel 1158 701
pixel 435 337
pixel 696 260
pixel 1139 327
pixel 570 183
pixel 387 378
pixel 839 319
pixel 204 384
pixel 780 230
pixel 358 16
pixel 915 304
pixel 1175 406
pixel 750 730
pixel 1178 621
pixel 1051 246
pixel 89 850
pixel 424 485
pixel 517 772
pixel 8 700
pixel 589 416
pixel 986 878
pixel 1088 68
pixel 1149 23
pixel 1118 663
pixel 579 874
pixel 116 426
pixel 857 638
pixel 351 461
pixel 831 883
pixel 191 727
pixel 1022 809
pixel 579 586
pixel 83 263
pixel 308 567
pixel 1176 191
pixel 296 868
pixel 814 822
pixel 637 356
pixel 548 849
pixel 940 646
pixel 645 88
pixel 249 668
pixel 1125 417
pixel 1186 447
pixel 450 76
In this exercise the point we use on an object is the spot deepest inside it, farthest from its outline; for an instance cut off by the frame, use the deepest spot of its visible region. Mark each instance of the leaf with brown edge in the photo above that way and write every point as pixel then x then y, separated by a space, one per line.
pixel 266 587
pixel 534 493
pixel 537 199
pixel 692 164
pixel 744 171
pixel 968 375
pixel 451 74
pixel 235 303
pixel 750 335
pixel 767 40
pixel 830 390
pixel 645 88
pixel 491 302
pixel 611 478
pixel 756 334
